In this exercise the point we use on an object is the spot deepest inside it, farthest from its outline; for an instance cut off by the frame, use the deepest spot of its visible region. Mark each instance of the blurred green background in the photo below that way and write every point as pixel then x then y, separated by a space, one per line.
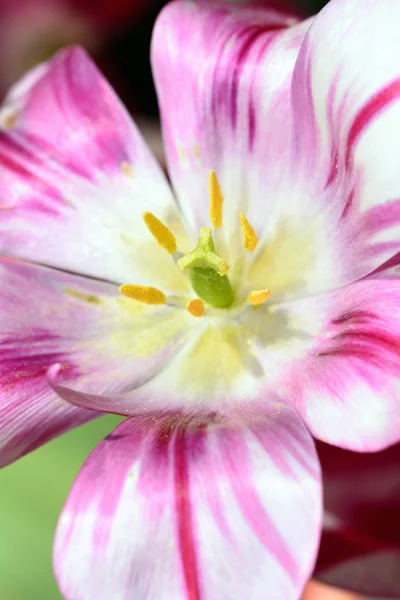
pixel 32 493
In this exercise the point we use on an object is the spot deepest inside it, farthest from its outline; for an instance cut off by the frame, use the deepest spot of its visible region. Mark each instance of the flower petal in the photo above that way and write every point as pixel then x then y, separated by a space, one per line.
pixel 100 341
pixel 360 545
pixel 229 113
pixel 170 509
pixel 346 103
pixel 348 387
pixel 74 185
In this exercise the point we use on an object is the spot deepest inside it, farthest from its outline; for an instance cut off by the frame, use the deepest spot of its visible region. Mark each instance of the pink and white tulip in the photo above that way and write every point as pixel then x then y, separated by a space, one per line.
pixel 211 488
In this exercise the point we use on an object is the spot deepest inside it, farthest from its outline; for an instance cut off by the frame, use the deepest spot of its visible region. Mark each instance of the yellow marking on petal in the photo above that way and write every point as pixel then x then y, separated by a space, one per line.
pixel 196 151
pixel 196 308
pixel 89 298
pixel 257 298
pixel 289 256
pixel 250 239
pixel 213 364
pixel 135 330
pixel 127 168
pixel 181 152
pixel 164 236
pixel 143 293
pixel 216 201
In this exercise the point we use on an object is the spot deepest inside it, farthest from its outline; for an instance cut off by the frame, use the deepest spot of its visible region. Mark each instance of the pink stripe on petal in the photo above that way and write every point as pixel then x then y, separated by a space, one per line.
pixel 163 540
pixel 382 100
pixel 389 268
pixel 185 521
pixel 303 108
pixel 379 218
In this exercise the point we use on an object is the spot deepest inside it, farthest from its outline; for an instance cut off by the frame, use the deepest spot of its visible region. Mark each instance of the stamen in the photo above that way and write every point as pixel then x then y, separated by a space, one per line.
pixel 257 298
pixel 216 201
pixel 250 239
pixel 143 293
pixel 164 236
pixel 196 308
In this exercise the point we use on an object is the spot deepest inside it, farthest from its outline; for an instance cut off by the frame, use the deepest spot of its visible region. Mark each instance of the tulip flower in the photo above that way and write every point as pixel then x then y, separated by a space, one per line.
pixel 230 317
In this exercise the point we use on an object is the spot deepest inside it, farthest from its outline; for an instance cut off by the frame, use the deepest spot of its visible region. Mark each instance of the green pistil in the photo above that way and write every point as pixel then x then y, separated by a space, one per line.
pixel 207 272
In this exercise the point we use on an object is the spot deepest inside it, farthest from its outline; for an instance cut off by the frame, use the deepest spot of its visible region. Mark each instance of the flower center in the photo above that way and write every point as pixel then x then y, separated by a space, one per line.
pixel 207 270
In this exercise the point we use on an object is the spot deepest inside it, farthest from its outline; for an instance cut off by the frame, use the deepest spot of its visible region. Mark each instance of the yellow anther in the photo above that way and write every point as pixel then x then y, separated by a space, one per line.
pixel 250 239
pixel 196 308
pixel 216 201
pixel 258 297
pixel 160 232
pixel 143 293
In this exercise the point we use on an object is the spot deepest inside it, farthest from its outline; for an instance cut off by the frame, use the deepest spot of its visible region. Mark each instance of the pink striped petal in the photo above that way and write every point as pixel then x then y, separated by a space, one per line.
pixel 360 545
pixel 229 113
pixel 348 388
pixel 74 184
pixel 346 102
pixel 99 342
pixel 335 357
pixel 171 509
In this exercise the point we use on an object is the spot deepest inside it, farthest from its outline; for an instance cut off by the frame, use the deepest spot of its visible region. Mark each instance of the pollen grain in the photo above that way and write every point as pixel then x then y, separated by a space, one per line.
pixel 143 293
pixel 250 239
pixel 196 308
pixel 216 201
pixel 257 298
pixel 161 233
pixel 127 168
